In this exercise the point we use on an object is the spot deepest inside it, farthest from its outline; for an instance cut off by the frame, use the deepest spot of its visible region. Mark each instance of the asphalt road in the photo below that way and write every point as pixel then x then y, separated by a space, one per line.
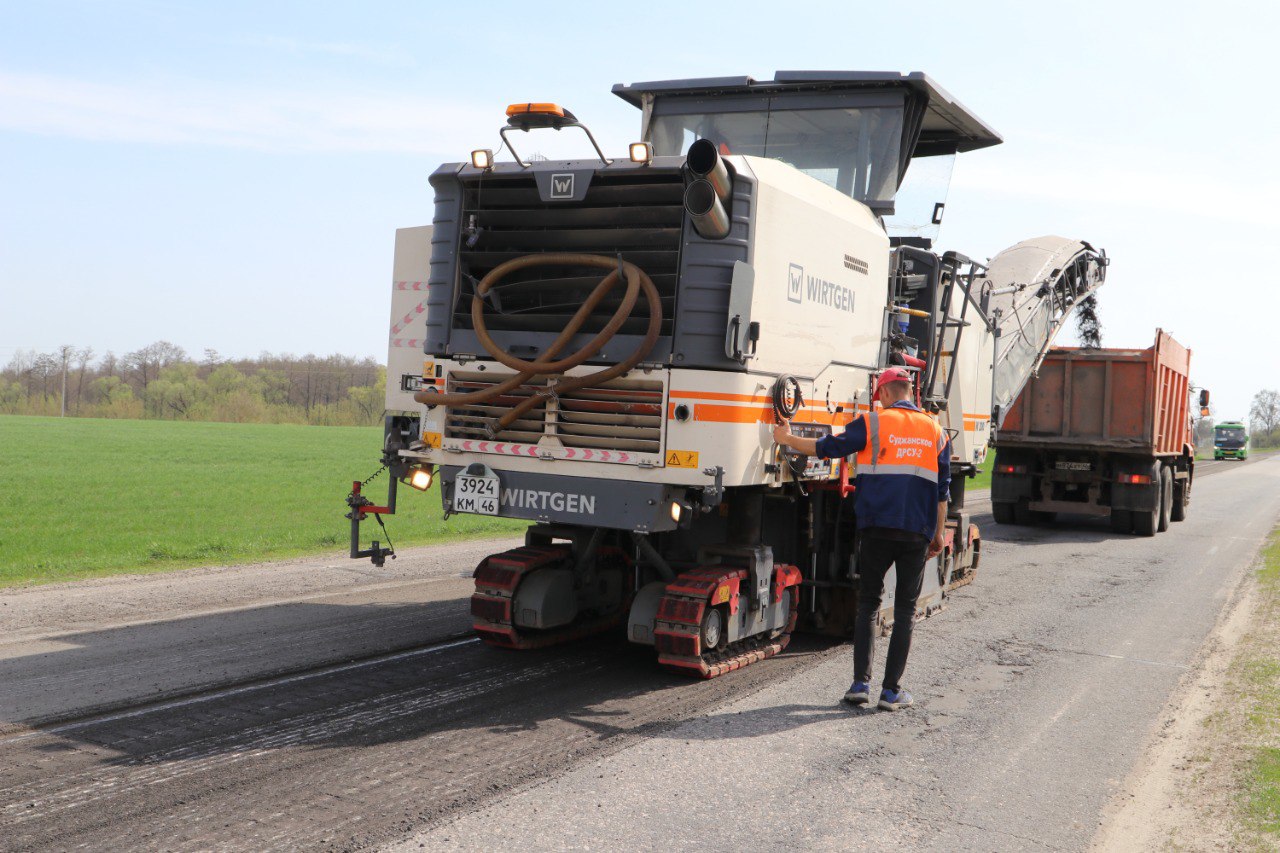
pixel 355 715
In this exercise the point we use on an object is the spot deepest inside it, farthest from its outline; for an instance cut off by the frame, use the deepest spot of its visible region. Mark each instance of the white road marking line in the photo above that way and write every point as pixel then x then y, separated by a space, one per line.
pixel 261 604
pixel 235 691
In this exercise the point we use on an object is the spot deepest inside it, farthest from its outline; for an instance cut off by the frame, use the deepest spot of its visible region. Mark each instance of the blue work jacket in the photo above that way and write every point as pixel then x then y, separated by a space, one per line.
pixel 890 500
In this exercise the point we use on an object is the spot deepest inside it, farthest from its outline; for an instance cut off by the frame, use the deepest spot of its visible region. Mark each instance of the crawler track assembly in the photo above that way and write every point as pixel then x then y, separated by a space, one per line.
pixel 493 603
pixel 679 632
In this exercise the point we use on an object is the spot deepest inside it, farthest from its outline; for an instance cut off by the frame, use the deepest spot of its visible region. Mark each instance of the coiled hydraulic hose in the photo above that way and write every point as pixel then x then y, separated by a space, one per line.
pixel 787 399
pixel 637 282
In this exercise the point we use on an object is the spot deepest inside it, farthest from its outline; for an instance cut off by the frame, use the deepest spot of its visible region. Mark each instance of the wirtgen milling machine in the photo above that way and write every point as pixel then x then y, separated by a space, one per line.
pixel 608 344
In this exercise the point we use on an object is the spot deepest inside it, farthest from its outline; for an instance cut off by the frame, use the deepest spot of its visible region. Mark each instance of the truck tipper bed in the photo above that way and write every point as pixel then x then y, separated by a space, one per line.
pixel 1103 432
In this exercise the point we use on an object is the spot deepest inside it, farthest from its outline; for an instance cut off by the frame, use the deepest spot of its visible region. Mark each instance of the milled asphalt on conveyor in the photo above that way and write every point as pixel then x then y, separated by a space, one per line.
pixel 1025 724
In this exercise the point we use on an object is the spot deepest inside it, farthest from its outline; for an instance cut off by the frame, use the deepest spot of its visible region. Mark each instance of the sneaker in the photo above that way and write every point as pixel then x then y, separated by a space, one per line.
pixel 894 700
pixel 859 693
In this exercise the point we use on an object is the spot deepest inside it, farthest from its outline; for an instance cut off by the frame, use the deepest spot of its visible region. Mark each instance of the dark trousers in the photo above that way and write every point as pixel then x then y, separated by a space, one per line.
pixel 875 555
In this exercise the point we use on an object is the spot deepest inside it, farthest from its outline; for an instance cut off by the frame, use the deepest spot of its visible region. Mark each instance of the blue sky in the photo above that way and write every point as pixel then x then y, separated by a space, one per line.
pixel 230 175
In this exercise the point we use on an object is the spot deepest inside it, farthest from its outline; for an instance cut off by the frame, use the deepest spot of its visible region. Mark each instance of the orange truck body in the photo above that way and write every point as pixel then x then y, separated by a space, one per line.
pixel 1131 400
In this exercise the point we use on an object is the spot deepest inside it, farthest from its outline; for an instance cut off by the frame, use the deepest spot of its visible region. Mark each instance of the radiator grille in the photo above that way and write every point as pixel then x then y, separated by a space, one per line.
pixel 638 214
pixel 623 415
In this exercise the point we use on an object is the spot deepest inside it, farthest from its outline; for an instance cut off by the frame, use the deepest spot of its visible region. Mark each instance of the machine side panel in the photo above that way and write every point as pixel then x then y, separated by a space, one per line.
pixel 821 275
pixel 410 294
pixel 967 417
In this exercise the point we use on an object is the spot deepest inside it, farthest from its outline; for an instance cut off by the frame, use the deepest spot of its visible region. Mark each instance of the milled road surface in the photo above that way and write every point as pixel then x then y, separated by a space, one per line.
pixel 357 717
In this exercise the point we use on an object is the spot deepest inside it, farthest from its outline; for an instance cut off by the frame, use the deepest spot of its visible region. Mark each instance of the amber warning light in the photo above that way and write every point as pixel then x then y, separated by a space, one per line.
pixel 535 109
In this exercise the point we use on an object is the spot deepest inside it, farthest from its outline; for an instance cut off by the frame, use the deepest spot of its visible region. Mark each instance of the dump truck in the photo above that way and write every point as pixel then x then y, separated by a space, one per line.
pixel 1231 440
pixel 600 347
pixel 1101 432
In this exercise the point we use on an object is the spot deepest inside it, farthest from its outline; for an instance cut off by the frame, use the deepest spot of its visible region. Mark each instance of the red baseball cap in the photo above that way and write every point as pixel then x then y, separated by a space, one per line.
pixel 892 374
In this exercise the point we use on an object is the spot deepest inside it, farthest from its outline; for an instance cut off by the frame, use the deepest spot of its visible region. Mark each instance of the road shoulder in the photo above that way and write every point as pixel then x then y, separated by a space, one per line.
pixel 1196 786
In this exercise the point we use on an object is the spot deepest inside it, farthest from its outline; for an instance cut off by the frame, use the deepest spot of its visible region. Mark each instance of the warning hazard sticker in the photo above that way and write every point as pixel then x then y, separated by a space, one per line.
pixel 682 459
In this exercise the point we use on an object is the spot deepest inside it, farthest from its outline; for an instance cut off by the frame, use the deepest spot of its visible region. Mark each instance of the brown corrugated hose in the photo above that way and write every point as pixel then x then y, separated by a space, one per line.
pixel 637 281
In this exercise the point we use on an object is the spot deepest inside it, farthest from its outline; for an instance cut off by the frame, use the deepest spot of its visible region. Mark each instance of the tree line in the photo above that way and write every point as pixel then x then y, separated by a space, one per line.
pixel 161 381
pixel 1264 419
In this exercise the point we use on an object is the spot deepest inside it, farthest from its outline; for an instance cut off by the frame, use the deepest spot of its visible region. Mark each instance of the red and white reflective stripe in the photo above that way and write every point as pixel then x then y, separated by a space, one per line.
pixel 411 285
pixel 409 318
pixel 503 448
pixel 415 343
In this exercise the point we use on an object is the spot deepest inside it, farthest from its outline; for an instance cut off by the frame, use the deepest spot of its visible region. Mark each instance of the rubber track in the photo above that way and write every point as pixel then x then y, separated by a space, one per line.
pixel 493 603
pixel 678 628
pixel 975 539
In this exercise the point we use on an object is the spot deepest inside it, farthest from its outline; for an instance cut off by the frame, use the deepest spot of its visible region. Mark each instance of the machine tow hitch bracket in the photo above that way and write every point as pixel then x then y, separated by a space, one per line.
pixel 362 507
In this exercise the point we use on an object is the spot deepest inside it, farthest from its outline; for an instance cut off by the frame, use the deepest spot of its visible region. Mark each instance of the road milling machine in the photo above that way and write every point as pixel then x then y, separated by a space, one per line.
pixel 602 346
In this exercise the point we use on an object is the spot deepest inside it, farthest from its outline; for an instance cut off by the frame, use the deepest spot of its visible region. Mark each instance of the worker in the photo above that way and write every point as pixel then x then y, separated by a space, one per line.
pixel 900 500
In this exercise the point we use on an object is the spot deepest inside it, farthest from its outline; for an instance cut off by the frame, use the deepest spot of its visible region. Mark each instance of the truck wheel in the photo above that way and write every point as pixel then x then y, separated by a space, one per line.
pixel 1145 522
pixel 1166 498
pixel 1002 512
pixel 1180 500
pixel 1121 520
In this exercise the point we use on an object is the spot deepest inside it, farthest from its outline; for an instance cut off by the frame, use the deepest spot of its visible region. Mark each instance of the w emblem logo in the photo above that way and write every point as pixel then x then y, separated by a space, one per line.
pixel 795 283
pixel 562 186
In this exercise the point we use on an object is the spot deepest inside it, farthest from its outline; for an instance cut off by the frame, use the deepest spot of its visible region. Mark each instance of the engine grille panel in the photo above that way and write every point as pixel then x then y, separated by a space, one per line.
pixel 636 214
pixel 622 417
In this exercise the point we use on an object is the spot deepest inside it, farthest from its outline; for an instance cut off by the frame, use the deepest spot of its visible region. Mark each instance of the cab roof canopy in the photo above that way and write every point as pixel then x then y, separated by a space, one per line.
pixel 944 125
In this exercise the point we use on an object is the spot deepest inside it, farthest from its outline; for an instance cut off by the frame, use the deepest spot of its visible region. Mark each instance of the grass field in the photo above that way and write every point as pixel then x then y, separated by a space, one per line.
pixel 983 480
pixel 1257 679
pixel 82 497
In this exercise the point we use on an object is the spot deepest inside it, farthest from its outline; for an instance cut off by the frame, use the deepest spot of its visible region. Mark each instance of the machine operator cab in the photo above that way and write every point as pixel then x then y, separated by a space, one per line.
pixel 856 131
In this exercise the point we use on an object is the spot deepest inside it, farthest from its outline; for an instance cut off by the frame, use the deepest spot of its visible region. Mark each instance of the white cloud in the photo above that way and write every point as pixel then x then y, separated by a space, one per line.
pixel 178 112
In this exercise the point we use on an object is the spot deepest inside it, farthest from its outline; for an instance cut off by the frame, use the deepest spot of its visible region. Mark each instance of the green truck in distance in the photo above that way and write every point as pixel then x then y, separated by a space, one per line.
pixel 1230 440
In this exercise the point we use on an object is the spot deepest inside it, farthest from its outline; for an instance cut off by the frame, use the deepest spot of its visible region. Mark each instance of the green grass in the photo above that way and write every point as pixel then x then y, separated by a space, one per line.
pixel 1263 808
pixel 983 479
pixel 82 497
pixel 1258 674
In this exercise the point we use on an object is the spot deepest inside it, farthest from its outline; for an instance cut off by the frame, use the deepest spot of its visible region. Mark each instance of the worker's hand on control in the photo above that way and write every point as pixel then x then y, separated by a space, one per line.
pixel 935 547
pixel 782 431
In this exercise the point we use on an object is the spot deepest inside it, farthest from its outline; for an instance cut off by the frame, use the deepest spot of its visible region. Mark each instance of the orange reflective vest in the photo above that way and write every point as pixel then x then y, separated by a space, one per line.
pixel 901 441
pixel 904 471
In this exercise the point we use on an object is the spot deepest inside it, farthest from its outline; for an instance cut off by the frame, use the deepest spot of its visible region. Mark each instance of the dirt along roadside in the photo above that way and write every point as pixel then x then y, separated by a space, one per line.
pixel 1211 777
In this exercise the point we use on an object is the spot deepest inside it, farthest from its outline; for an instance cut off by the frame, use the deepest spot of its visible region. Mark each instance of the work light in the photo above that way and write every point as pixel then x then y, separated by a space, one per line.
pixel 420 479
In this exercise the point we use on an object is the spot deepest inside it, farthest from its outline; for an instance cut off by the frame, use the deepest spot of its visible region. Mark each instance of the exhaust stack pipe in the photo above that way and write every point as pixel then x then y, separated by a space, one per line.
pixel 706 198
pixel 708 215
pixel 704 162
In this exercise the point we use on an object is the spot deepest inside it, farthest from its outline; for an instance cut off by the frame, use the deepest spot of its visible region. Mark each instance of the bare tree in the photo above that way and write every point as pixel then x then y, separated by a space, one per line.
pixel 147 362
pixel 1264 413
pixel 65 353
pixel 21 367
pixel 83 357
pixel 45 369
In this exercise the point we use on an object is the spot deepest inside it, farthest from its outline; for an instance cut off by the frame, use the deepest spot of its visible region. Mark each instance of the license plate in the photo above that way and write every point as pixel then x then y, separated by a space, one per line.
pixel 1074 466
pixel 478 494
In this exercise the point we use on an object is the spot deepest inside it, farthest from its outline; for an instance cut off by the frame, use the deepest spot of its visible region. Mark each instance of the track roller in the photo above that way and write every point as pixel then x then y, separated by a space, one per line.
pixel 692 629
